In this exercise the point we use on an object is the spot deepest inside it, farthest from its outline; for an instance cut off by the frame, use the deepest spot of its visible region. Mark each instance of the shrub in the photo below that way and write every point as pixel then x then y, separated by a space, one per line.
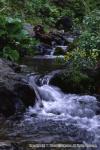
pixel 80 59
pixel 90 38
pixel 91 22
pixel 79 67
pixel 14 40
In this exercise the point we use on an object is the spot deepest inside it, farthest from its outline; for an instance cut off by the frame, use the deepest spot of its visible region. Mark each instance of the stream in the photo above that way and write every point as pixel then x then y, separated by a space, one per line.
pixel 63 118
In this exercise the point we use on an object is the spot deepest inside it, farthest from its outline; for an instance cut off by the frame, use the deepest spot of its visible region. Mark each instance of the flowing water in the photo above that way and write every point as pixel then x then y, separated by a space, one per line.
pixel 64 118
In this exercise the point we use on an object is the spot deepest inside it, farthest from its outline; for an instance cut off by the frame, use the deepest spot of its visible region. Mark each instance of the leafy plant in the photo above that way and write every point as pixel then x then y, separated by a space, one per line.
pixel 11 54
pixel 78 63
pixel 81 59
pixel 15 40
pixel 90 37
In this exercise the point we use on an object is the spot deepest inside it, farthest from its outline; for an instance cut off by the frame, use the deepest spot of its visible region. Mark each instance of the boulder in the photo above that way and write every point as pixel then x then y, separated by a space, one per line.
pixel 15 92
pixel 47 38
pixel 60 50
pixel 41 35
pixel 80 84
pixel 43 49
pixel 64 23
pixel 59 41
pixel 9 102
pixel 25 93
pixel 58 80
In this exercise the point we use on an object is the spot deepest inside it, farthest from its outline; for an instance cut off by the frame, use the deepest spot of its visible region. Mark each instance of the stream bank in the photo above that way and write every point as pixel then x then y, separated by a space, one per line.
pixel 43 108
pixel 15 92
pixel 64 118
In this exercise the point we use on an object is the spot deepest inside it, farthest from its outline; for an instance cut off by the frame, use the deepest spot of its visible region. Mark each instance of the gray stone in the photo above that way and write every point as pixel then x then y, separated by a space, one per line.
pixel 15 94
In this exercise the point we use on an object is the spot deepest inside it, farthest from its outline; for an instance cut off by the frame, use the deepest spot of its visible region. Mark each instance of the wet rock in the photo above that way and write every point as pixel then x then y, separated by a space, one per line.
pixel 47 38
pixel 65 23
pixel 15 93
pixel 16 68
pixel 54 42
pixel 60 50
pixel 69 39
pixel 5 146
pixel 43 49
pixel 59 81
pixel 8 102
pixel 68 84
pixel 11 146
pixel 52 39
pixel 41 35
pixel 26 94
pixel 38 29
pixel 24 69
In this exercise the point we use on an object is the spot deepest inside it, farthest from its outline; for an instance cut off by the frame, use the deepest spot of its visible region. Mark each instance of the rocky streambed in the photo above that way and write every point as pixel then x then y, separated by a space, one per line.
pixel 40 105
pixel 62 117
pixel 15 93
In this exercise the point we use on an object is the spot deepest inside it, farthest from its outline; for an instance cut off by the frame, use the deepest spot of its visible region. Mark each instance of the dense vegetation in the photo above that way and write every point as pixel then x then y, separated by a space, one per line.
pixel 16 41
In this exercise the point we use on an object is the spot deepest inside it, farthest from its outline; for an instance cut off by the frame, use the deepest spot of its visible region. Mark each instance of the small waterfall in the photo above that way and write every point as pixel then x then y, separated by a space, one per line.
pixel 45 79
pixel 67 104
pixel 34 86
pixel 72 109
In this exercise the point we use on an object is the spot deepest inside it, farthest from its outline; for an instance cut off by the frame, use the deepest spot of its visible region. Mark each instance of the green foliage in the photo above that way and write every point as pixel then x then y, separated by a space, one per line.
pixel 90 38
pixel 86 55
pixel 91 4
pixel 78 62
pixel 89 41
pixel 45 10
pixel 15 41
pixel 91 22
pixel 30 10
pixel 11 54
pixel 81 59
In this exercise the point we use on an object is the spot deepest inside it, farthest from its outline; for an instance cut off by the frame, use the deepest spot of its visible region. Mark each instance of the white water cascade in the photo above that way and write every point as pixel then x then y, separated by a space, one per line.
pixel 70 108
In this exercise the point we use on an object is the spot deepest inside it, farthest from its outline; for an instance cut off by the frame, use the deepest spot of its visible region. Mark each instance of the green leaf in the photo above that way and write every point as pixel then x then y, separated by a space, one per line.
pixel 11 54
